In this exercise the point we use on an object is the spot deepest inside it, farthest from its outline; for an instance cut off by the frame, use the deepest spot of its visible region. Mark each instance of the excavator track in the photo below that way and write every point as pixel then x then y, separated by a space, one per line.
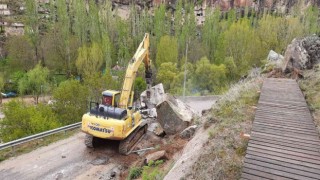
pixel 127 145
pixel 89 141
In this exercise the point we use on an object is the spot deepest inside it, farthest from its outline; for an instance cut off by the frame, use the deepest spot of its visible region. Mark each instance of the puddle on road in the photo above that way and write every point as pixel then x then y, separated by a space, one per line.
pixel 100 161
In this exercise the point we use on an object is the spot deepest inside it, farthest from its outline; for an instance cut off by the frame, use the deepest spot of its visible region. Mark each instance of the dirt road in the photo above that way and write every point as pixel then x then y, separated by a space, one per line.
pixel 199 103
pixel 70 159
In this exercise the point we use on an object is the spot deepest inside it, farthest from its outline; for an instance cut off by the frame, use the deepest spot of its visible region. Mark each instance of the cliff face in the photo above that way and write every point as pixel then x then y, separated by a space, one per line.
pixel 275 5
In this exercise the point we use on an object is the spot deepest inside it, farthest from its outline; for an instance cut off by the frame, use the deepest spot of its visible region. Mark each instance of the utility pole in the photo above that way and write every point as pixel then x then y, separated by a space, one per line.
pixel 185 72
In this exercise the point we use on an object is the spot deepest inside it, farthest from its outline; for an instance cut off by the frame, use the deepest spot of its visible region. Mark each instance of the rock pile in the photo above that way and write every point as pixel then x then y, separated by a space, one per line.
pixel 302 54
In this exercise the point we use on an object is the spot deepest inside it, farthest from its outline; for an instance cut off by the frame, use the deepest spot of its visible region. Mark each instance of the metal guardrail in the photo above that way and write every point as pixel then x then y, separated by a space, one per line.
pixel 40 135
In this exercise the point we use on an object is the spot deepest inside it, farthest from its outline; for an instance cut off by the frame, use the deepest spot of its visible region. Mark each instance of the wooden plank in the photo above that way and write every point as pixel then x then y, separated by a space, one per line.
pixel 286 152
pixel 290 138
pixel 301 103
pixel 283 154
pixel 284 114
pixel 283 123
pixel 288 134
pixel 265 172
pixel 261 174
pixel 286 129
pixel 256 143
pixel 282 170
pixel 310 170
pixel 286 143
pixel 283 158
pixel 257 127
pixel 279 126
pixel 253 177
pixel 283 107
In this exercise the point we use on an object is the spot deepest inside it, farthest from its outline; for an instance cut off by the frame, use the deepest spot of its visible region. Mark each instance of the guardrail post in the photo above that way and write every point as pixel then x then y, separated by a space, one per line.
pixel 14 150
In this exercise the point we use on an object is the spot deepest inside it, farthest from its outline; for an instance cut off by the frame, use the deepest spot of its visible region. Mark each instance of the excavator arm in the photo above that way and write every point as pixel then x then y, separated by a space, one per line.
pixel 141 55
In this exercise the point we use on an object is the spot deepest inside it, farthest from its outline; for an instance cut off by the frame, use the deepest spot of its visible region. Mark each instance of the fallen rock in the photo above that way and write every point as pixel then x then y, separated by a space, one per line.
pixel 173 115
pixel 302 54
pixel 155 156
pixel 157 95
pixel 114 173
pixel 274 57
pixel 156 129
pixel 188 132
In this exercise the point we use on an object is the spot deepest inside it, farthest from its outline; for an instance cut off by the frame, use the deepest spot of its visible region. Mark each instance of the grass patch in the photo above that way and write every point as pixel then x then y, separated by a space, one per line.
pixel 310 86
pixel 151 171
pixel 222 158
pixel 32 145
pixel 135 172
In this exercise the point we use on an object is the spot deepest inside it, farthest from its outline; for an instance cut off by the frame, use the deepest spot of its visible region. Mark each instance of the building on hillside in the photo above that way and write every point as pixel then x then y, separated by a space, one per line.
pixel 200 13
pixel 44 1
pixel 4 11
pixel 14 29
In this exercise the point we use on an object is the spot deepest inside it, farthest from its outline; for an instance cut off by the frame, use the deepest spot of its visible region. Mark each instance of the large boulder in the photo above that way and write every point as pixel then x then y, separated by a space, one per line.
pixel 302 54
pixel 173 115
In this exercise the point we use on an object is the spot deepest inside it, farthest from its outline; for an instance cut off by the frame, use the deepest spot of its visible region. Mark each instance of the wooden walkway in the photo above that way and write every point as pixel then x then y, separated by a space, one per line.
pixel 284 142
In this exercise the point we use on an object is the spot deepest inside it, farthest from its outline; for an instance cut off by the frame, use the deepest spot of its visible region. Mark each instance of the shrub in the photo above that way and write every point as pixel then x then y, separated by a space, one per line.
pixel 23 120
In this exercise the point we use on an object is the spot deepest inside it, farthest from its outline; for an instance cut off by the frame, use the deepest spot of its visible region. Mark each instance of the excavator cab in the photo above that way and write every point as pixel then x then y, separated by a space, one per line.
pixel 110 98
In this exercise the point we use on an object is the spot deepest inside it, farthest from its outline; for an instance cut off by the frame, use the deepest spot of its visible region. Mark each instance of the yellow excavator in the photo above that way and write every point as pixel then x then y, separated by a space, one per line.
pixel 115 118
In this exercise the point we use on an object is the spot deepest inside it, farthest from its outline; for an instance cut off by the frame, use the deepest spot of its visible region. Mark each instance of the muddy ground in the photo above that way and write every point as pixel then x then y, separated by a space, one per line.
pixel 70 159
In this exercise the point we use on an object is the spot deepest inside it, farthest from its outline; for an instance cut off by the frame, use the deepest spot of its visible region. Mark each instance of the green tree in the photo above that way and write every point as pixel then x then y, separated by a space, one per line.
pixel 211 32
pixel 178 15
pixel 96 83
pixel 124 42
pixel 231 69
pixel 22 120
pixel 81 21
pixel 140 85
pixel 32 26
pixel 71 101
pixel 64 24
pixel 57 56
pixel 35 81
pixel 167 50
pixel 311 22
pixel 107 27
pixel 2 81
pixel 160 28
pixel 20 53
pixel 240 42
pixel 90 60
pixel 166 74
pixel 209 77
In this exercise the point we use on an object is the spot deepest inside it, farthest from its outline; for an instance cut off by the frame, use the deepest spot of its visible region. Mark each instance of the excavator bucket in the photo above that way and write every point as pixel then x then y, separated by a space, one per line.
pixel 156 96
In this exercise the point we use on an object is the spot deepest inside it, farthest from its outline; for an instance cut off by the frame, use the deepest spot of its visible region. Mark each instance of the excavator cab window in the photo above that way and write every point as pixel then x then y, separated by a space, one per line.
pixel 107 100
pixel 116 99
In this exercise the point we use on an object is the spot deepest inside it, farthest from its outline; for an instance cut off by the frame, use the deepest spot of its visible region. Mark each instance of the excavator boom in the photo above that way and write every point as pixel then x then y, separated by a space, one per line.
pixel 141 55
